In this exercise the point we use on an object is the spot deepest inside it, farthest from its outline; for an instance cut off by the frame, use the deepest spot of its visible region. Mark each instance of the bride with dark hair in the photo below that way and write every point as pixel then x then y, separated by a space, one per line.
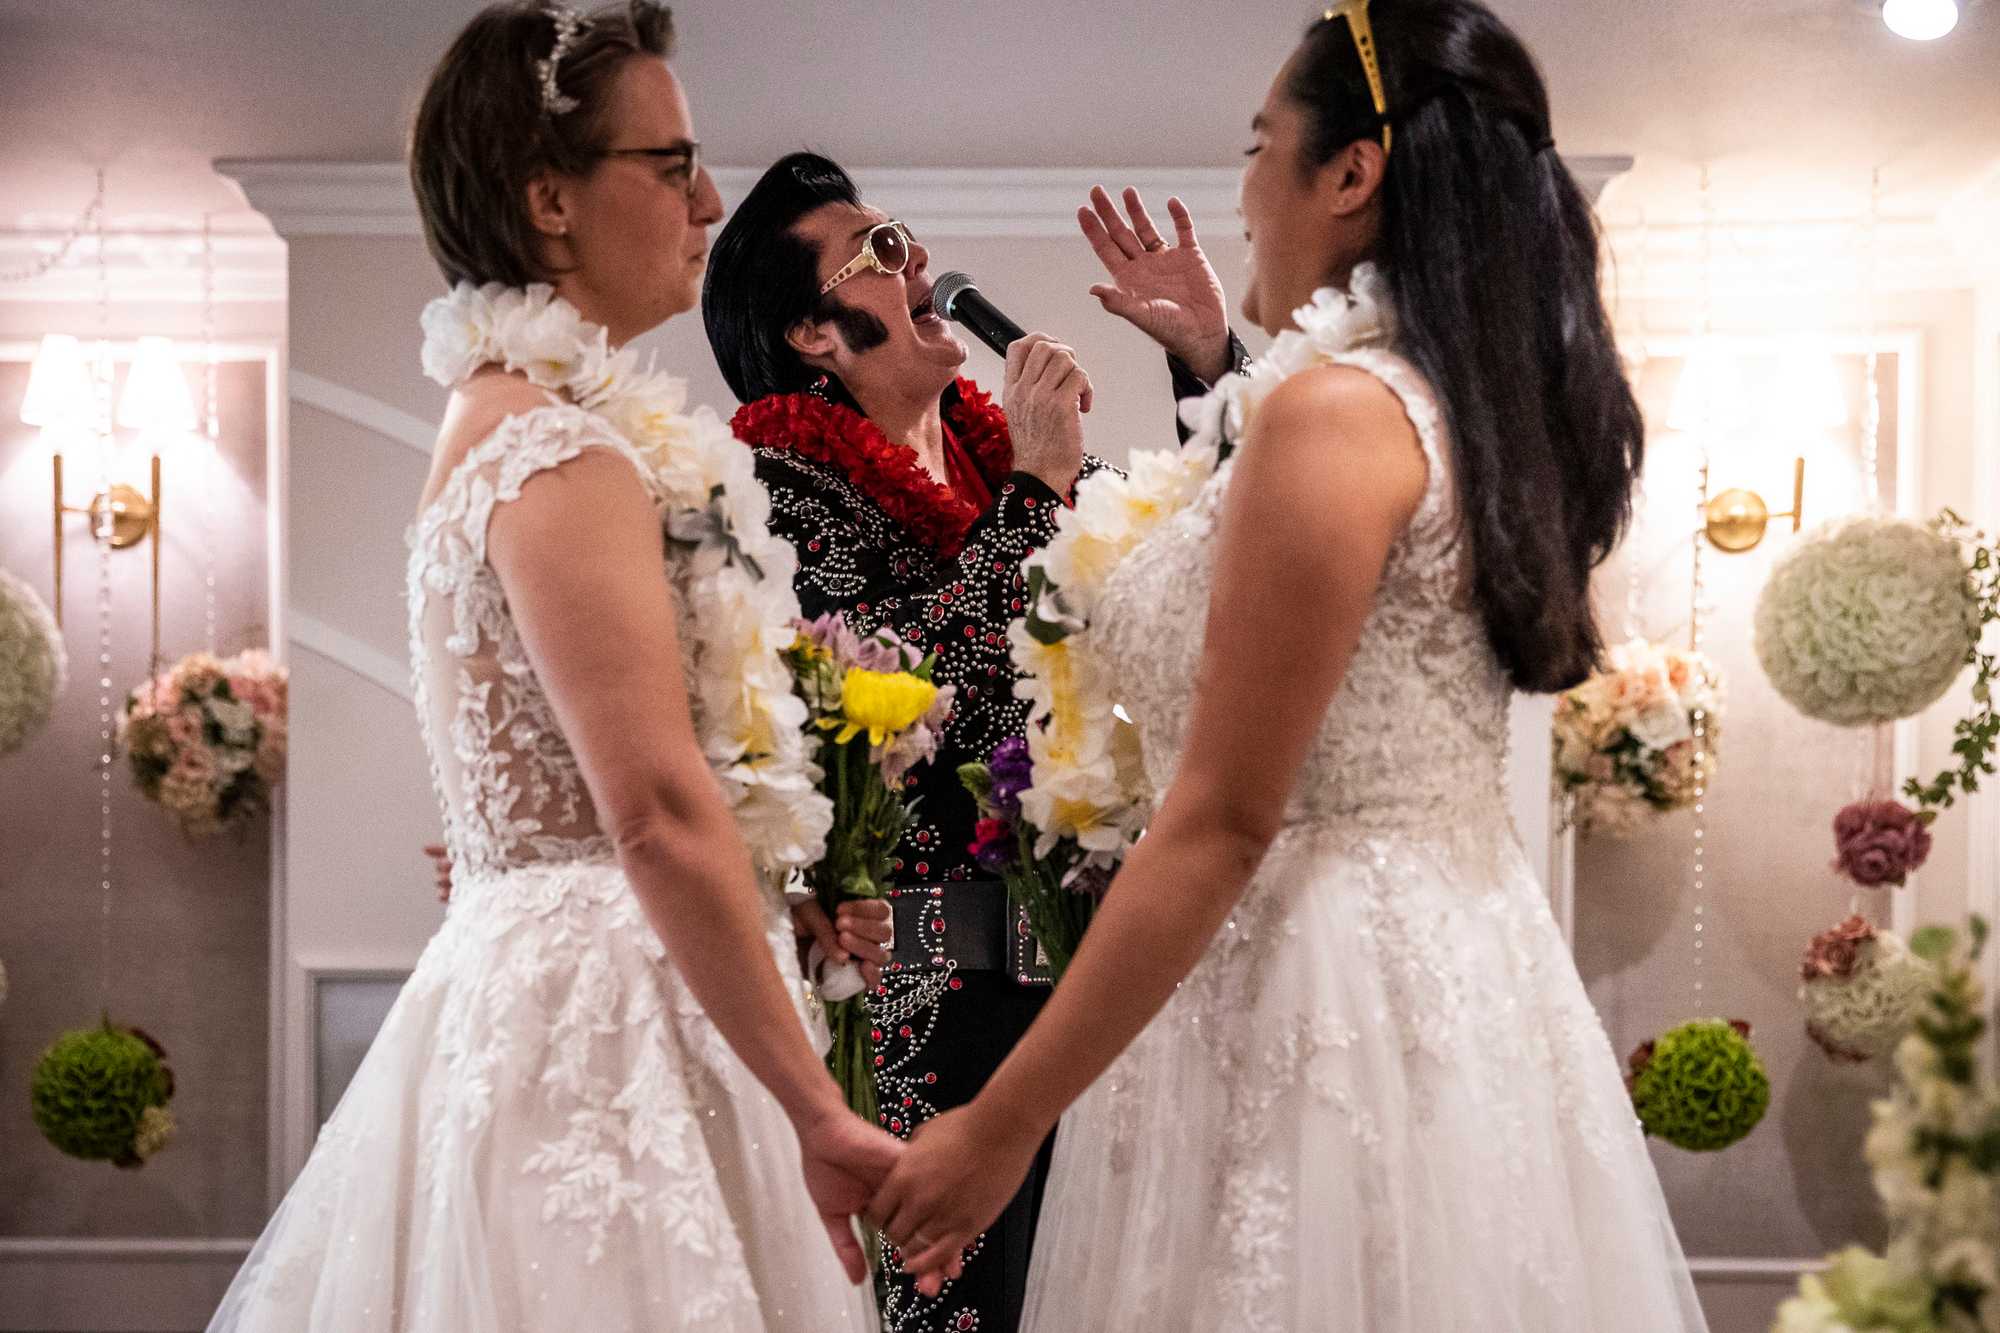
pixel 1327 1062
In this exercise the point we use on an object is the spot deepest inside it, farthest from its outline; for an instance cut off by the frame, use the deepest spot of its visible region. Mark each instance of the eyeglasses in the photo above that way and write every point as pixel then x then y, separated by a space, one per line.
pixel 885 249
pixel 686 155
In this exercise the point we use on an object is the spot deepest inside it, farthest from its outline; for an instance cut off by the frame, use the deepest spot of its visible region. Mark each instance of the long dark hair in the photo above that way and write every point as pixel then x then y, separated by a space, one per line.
pixel 481 134
pixel 1492 252
pixel 763 278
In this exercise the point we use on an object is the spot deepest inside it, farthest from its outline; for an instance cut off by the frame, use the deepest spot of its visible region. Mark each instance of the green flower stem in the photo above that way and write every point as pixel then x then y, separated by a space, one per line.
pixel 1976 735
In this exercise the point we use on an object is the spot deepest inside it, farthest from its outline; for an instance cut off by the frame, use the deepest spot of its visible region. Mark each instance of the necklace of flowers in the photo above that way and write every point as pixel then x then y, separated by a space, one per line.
pixel 884 471
pixel 1080 789
pixel 733 578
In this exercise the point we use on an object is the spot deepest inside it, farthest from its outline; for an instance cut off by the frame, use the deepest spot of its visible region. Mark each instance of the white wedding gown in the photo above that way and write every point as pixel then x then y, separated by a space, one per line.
pixel 1382 1102
pixel 548 1133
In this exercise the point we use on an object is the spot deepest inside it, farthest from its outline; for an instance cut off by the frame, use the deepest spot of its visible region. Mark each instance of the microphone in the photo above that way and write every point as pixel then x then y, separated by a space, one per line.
pixel 955 297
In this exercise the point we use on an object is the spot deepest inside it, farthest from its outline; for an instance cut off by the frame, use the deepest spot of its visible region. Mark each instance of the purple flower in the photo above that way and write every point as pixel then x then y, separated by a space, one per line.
pixel 1879 842
pixel 1013 773
pixel 993 844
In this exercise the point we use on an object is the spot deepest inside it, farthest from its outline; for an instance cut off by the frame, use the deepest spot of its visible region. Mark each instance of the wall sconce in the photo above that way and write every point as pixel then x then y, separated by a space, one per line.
pixel 68 394
pixel 1736 520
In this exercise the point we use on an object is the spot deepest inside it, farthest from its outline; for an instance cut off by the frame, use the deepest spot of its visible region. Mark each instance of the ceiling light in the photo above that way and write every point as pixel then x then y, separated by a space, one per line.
pixel 1920 20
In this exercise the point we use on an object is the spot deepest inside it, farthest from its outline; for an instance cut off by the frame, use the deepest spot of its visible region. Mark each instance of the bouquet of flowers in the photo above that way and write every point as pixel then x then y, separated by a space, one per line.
pixel 1059 889
pixel 1935 1150
pixel 1625 745
pixel 206 739
pixel 873 706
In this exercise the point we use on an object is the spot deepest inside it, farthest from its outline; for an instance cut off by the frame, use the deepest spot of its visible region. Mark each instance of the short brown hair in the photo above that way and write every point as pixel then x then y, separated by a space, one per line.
pixel 481 134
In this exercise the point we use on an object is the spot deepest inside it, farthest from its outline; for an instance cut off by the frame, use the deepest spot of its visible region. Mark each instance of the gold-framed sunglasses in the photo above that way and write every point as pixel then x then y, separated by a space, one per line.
pixel 683 159
pixel 885 249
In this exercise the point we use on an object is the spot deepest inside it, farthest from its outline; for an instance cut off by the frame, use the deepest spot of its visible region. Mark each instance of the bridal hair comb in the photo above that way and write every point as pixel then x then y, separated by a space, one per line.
pixel 568 24
pixel 1356 14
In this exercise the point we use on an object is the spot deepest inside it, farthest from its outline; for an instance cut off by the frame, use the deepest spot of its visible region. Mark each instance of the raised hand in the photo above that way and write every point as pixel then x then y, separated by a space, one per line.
pixel 1169 292
pixel 845 1162
pixel 954 1179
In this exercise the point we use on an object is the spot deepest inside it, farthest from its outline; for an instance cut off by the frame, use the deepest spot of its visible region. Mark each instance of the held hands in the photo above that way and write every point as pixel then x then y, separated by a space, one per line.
pixel 1167 291
pixel 952 1182
pixel 1045 396
pixel 845 1161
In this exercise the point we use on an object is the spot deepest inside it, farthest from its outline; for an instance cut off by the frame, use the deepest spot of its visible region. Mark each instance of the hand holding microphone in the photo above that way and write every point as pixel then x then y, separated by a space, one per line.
pixel 1046 391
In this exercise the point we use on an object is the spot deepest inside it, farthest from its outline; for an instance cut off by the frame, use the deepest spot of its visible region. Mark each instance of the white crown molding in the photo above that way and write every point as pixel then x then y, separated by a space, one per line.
pixel 373 198
pixel 344 650
pixel 143 266
pixel 360 409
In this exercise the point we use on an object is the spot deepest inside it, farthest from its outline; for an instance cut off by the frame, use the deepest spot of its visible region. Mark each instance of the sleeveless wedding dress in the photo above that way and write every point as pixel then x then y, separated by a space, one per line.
pixel 548 1133
pixel 1382 1102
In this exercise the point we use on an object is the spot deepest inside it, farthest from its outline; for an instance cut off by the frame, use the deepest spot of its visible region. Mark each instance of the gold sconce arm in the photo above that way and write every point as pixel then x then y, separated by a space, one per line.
pixel 121 518
pixel 1736 520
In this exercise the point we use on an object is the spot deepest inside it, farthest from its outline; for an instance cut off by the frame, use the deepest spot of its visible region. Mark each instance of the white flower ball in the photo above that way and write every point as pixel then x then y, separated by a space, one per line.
pixel 1862 1016
pixel 33 665
pixel 1868 620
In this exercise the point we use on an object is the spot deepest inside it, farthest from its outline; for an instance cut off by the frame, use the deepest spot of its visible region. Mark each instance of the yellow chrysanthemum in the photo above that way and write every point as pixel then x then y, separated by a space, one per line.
pixel 881 703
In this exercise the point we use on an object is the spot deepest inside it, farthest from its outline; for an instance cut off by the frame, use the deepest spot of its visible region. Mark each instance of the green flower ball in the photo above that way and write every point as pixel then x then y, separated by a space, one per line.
pixel 1700 1086
pixel 92 1092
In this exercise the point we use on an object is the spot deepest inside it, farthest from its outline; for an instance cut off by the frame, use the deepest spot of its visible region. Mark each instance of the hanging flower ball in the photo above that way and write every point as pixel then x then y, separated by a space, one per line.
pixel 32 662
pixel 206 739
pixel 1880 842
pixel 1699 1086
pixel 1625 740
pixel 101 1094
pixel 1867 620
pixel 1862 990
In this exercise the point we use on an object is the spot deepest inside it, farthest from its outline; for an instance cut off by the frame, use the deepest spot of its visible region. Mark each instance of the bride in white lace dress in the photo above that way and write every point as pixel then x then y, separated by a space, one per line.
pixel 596 1103
pixel 1332 1066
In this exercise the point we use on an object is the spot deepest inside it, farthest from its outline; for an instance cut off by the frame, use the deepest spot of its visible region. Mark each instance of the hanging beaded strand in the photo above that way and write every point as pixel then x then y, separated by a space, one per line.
pixel 101 405
pixel 88 222
pixel 1642 354
pixel 211 428
pixel 1871 419
pixel 1871 778
pixel 1697 593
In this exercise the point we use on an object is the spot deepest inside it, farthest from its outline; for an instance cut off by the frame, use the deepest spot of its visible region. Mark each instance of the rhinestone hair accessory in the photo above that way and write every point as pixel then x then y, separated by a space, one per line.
pixel 1356 14
pixel 568 24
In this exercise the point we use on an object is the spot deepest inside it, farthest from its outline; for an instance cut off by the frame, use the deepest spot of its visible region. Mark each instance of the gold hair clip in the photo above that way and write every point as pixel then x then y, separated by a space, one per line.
pixel 1356 14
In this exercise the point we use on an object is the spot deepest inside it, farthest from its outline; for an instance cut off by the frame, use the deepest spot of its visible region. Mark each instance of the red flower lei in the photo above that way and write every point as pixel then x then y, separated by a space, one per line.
pixel 887 473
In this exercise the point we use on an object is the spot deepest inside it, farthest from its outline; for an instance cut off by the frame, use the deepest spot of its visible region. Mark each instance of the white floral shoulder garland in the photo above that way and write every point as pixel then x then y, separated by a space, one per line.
pixel 1086 785
pixel 734 576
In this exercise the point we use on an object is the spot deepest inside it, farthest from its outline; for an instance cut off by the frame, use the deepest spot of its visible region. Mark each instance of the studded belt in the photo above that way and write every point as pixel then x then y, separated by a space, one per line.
pixel 963 926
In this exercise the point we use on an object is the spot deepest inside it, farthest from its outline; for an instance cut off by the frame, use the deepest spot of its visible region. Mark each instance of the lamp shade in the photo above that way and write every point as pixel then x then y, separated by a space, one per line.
pixel 58 383
pixel 1805 395
pixel 1711 394
pixel 156 396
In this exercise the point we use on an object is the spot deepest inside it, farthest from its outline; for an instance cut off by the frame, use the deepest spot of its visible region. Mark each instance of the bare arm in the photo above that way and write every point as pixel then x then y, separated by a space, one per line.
pixel 1330 477
pixel 580 556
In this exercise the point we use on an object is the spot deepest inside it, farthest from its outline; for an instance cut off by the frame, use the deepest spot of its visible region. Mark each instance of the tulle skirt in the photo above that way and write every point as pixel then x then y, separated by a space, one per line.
pixel 549 1134
pixel 1381 1104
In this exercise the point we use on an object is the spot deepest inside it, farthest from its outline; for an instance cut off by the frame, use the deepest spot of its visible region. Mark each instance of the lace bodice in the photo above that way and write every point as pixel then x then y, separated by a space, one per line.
pixel 1416 736
pixel 506 780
